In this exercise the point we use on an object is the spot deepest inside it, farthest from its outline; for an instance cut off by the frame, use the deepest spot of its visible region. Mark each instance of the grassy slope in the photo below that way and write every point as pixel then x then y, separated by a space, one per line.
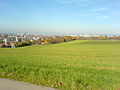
pixel 76 65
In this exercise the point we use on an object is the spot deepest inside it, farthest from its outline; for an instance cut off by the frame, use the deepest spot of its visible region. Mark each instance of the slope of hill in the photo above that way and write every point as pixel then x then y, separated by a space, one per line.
pixel 73 65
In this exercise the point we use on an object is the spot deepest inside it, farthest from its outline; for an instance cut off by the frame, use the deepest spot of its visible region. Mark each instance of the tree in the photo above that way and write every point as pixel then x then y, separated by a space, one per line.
pixel 21 44
pixel 46 42
pixel 37 42
pixel 101 37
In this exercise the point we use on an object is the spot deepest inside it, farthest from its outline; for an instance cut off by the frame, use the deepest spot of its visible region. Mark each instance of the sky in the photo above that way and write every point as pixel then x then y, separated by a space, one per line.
pixel 60 16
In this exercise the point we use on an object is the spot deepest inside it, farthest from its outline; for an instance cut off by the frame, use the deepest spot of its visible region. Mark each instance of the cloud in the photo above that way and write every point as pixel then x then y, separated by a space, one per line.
pixel 104 17
pixel 94 15
pixel 83 5
pixel 99 9
pixel 81 15
pixel 69 1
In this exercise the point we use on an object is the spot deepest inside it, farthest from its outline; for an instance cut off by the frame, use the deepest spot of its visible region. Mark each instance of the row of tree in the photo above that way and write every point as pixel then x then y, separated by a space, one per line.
pixel 45 40
pixel 54 40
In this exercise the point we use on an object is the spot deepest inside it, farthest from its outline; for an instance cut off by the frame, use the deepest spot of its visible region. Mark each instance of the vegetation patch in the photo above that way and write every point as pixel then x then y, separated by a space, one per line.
pixel 74 65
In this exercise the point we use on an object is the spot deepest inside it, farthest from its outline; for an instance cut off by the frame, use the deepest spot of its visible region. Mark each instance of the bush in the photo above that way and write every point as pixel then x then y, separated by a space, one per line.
pixel 21 44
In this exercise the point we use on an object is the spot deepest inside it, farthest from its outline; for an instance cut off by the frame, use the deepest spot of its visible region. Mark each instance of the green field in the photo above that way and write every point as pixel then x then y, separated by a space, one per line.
pixel 75 65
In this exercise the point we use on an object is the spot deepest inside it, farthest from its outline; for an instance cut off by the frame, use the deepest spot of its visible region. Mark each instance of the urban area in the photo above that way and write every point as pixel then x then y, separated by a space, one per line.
pixel 20 40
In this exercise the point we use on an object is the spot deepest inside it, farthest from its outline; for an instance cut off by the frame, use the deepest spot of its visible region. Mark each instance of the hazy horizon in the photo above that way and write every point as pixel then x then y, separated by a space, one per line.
pixel 60 16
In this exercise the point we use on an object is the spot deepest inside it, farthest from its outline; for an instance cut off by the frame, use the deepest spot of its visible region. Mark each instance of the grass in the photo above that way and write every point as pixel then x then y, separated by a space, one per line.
pixel 75 65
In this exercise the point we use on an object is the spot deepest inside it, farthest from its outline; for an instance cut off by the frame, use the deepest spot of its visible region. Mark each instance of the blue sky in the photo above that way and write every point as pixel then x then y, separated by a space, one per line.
pixel 60 16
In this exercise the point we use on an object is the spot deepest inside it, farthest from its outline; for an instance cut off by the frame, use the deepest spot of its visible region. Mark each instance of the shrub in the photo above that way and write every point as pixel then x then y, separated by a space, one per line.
pixel 21 44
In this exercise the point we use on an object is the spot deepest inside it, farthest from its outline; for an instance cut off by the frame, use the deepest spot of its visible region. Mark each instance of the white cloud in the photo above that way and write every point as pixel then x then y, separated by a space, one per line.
pixel 103 17
pixel 95 15
pixel 69 1
pixel 99 9
pixel 83 5
pixel 81 15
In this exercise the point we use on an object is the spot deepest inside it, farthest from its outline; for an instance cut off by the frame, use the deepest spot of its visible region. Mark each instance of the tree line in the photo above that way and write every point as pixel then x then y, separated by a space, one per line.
pixel 54 40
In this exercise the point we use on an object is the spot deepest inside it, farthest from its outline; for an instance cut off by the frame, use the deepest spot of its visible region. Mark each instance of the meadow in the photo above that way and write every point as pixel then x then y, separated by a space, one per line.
pixel 74 65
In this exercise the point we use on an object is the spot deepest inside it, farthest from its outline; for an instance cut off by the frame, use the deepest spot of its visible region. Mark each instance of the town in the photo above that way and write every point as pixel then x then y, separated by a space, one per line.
pixel 19 40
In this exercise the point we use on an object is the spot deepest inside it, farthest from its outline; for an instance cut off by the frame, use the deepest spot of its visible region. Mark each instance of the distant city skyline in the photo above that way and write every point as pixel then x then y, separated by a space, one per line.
pixel 60 16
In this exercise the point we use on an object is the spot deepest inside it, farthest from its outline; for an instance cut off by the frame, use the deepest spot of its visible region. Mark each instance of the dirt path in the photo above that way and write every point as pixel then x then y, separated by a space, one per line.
pixel 6 84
